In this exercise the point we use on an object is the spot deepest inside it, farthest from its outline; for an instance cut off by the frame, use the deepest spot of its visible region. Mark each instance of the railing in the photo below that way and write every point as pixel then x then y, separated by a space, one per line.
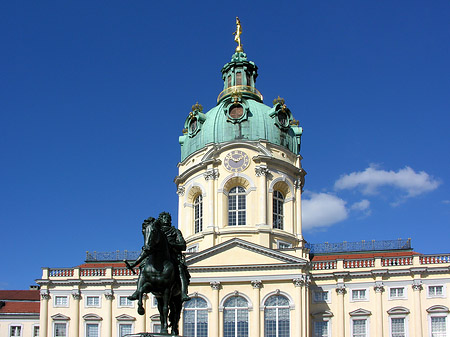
pixel 359 263
pixel 435 259
pixel 124 272
pixel 111 256
pixel 359 246
pixel 61 272
pixel 240 89
pixel 323 265
pixel 396 261
pixel 93 272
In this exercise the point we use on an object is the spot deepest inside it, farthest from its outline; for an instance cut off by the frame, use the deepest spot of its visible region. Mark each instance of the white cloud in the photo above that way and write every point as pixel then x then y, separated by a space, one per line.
pixel 361 205
pixel 446 202
pixel 371 179
pixel 322 210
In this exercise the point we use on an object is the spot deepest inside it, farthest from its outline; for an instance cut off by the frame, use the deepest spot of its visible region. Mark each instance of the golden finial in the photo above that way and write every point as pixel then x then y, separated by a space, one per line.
pixel 237 37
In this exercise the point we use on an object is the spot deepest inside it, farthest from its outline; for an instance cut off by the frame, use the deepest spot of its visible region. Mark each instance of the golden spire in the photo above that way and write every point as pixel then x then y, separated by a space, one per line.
pixel 237 37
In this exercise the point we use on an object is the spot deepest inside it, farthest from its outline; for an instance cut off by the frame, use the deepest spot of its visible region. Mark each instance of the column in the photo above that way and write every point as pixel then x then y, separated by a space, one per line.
pixel 181 222
pixel 417 289
pixel 306 301
pixel 298 329
pixel 210 175
pixel 261 172
pixel 298 209
pixel 214 327
pixel 43 319
pixel 379 289
pixel 75 313
pixel 340 289
pixel 107 323
pixel 256 315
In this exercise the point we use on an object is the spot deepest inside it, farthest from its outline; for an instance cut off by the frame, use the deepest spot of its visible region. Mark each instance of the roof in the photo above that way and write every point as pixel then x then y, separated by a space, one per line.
pixel 19 295
pixel 20 308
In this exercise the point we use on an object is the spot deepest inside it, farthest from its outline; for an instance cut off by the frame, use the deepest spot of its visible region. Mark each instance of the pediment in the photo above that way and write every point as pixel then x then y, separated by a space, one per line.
pixel 125 317
pixel 360 312
pixel 398 310
pixel 237 252
pixel 60 317
pixel 438 309
pixel 322 314
pixel 92 317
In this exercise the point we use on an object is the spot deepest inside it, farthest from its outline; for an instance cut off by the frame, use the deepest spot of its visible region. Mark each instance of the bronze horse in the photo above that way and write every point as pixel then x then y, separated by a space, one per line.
pixel 158 276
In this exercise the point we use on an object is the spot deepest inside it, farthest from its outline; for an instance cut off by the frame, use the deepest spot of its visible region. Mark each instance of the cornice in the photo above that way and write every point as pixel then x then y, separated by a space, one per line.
pixel 248 267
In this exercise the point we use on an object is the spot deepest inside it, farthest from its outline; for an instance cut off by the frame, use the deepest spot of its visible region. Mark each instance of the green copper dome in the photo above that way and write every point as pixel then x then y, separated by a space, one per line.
pixel 240 114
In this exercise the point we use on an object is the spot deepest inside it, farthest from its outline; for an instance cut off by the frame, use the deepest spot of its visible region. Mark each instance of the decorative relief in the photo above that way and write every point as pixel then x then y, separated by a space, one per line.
pixel 180 190
pixel 340 289
pixel 417 285
pixel 303 280
pixel 109 295
pixel 215 285
pixel 379 287
pixel 76 294
pixel 45 295
pixel 257 284
pixel 261 171
pixel 211 174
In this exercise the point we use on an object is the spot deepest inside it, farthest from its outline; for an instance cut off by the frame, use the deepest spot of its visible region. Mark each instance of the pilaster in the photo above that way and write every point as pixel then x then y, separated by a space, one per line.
pixel 214 327
pixel 340 289
pixel 256 324
pixel 417 289
pixel 261 173
pixel 379 289
pixel 75 313
pixel 43 319
pixel 107 327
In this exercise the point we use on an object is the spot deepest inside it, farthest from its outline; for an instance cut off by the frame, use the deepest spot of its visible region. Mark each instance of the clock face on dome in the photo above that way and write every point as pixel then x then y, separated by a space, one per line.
pixel 236 161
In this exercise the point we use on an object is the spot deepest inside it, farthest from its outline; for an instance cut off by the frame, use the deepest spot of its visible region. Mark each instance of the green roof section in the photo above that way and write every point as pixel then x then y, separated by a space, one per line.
pixel 240 114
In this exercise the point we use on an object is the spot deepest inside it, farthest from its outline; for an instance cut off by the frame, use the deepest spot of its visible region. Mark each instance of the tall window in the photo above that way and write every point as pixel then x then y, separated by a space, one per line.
pixel 359 328
pixel 92 330
pixel 125 329
pixel 278 202
pixel 438 327
pixel 36 331
pixel 60 330
pixel 198 213
pixel 236 206
pixel 235 317
pixel 276 316
pixel 321 329
pixel 15 331
pixel 398 327
pixel 195 318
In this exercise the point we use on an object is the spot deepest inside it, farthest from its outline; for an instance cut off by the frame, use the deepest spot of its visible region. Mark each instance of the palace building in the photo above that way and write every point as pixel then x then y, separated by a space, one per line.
pixel 240 185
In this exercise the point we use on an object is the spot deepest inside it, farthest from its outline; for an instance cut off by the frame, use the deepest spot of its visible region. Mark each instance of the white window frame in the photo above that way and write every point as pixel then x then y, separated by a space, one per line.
pixel 198 221
pixel 406 323
pixel 15 325
pixel 124 323
pixel 360 299
pixel 439 315
pixel 119 305
pixel 55 300
pixel 283 243
pixel 360 318
pixel 60 322
pixel 404 297
pixel 276 199
pixel 317 291
pixel 325 319
pixel 33 330
pixel 193 248
pixel 429 295
pixel 91 322
pixel 86 301
pixel 234 213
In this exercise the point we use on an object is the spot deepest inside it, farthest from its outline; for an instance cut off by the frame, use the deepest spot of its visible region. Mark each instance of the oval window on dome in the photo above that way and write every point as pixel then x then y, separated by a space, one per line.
pixel 193 125
pixel 283 118
pixel 236 111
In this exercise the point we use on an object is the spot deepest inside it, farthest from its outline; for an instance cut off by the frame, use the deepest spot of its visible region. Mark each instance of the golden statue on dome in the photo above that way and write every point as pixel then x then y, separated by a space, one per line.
pixel 237 37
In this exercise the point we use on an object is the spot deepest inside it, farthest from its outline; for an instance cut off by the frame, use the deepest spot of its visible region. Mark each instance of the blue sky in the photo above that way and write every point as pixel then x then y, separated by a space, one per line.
pixel 94 94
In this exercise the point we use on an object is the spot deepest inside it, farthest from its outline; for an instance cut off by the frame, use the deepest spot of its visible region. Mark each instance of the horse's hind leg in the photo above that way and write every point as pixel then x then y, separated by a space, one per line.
pixel 141 310
pixel 163 308
pixel 175 312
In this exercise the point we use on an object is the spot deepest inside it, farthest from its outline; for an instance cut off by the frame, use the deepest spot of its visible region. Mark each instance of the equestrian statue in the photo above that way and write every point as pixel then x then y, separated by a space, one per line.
pixel 162 270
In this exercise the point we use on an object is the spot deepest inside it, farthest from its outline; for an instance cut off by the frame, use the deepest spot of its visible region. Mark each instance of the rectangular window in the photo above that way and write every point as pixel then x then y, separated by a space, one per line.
pixel 35 331
pixel 359 295
pixel 435 291
pixel 93 301
pixel 61 301
pixel 238 78
pixel 92 330
pixel 438 327
pixel 15 331
pixel 398 327
pixel 192 249
pixel 125 329
pixel 396 293
pixel 359 328
pixel 321 296
pixel 321 329
pixel 60 330
pixel 125 302
pixel 283 245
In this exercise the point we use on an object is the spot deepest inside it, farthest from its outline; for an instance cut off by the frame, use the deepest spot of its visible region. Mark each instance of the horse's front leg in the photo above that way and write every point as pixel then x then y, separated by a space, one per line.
pixel 163 308
pixel 141 310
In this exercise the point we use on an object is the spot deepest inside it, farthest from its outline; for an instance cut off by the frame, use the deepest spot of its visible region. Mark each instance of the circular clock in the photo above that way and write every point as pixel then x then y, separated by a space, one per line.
pixel 236 161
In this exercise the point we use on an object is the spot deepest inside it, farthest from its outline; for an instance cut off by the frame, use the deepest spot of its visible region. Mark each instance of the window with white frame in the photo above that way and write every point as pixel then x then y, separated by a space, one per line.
pixel 321 328
pixel 195 318
pixel 198 213
pixel 398 327
pixel 283 245
pixel 438 326
pixel 276 316
pixel 397 293
pixel 60 330
pixel 436 291
pixel 125 302
pixel 235 317
pixel 125 329
pixel 15 331
pixel 61 301
pixel 359 327
pixel 236 206
pixel 321 296
pixel 93 301
pixel 92 329
pixel 278 204
pixel 359 295
pixel 155 324
pixel 192 249
pixel 36 331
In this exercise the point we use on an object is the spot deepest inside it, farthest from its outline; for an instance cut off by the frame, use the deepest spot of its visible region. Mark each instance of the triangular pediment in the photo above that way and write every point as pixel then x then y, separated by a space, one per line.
pixel 125 317
pixel 60 317
pixel 360 312
pixel 237 252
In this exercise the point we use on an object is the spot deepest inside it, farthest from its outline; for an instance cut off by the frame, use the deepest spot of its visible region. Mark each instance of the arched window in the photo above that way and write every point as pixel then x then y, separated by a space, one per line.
pixel 276 316
pixel 195 318
pixel 236 206
pixel 198 213
pixel 278 201
pixel 235 317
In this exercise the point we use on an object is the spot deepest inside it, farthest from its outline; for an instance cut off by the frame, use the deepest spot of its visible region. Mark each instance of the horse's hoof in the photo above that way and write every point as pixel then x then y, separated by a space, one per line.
pixel 141 311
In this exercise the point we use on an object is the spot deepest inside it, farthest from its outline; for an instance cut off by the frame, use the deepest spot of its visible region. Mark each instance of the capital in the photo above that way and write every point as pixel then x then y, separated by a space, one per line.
pixel 417 285
pixel 340 289
pixel 45 295
pixel 180 190
pixel 76 294
pixel 109 295
pixel 215 285
pixel 257 284
pixel 261 171
pixel 379 287
pixel 211 174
